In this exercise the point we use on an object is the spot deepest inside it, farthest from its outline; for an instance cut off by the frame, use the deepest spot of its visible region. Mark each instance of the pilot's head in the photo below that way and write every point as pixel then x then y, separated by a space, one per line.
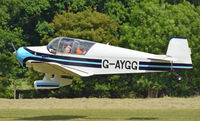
pixel 67 49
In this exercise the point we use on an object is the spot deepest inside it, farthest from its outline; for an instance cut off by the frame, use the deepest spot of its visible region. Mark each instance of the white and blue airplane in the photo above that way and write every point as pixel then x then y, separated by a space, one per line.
pixel 64 57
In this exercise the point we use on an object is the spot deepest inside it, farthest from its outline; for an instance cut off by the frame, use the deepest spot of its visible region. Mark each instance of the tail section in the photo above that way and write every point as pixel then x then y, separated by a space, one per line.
pixel 179 50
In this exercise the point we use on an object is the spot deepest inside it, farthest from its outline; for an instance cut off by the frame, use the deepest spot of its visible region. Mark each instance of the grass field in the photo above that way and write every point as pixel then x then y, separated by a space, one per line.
pixel 93 109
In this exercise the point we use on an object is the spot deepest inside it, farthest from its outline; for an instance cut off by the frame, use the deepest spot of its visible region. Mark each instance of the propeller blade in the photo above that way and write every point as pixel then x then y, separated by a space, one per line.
pixel 15 52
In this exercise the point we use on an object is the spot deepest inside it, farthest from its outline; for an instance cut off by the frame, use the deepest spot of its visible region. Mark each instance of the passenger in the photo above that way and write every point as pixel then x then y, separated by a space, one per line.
pixel 78 51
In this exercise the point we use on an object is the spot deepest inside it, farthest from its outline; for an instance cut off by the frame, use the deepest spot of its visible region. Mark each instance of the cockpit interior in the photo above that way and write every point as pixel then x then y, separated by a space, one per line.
pixel 62 45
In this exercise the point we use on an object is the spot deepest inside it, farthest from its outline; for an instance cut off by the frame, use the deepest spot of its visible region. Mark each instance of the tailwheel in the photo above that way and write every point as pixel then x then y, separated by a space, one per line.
pixel 177 75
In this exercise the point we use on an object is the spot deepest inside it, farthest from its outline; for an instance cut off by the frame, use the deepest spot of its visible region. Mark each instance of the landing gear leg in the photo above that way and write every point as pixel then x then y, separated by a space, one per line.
pixel 174 72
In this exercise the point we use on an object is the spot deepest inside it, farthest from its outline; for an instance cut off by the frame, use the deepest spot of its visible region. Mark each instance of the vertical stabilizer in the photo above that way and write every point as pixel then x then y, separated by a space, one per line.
pixel 179 50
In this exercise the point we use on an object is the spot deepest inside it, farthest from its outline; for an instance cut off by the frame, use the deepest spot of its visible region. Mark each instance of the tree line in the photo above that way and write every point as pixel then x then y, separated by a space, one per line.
pixel 139 25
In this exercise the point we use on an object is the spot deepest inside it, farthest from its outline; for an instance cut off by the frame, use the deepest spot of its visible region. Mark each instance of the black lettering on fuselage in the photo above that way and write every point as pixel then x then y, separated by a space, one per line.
pixel 106 64
pixel 128 65
pixel 134 65
pixel 121 64
pixel 117 65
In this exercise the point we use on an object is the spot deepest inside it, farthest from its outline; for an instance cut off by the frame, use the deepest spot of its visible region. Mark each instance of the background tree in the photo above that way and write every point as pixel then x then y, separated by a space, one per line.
pixel 195 2
pixel 9 67
pixel 87 25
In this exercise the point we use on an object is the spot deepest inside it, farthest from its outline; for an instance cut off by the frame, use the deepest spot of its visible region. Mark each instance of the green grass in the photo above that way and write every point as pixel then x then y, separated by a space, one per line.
pixel 101 114
pixel 101 109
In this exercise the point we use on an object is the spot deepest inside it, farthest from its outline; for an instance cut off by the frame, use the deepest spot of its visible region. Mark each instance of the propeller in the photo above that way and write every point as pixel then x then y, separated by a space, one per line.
pixel 15 52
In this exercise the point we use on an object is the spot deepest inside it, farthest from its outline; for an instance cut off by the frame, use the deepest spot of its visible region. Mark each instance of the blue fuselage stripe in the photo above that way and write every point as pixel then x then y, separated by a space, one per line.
pixel 161 66
pixel 72 61
pixel 181 67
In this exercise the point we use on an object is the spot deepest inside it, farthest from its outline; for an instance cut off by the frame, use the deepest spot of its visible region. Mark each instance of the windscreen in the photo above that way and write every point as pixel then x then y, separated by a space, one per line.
pixel 63 45
pixel 74 46
pixel 53 45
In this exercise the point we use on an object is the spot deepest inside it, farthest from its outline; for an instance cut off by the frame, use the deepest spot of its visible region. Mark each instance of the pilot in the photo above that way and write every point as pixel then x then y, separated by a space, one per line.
pixel 67 49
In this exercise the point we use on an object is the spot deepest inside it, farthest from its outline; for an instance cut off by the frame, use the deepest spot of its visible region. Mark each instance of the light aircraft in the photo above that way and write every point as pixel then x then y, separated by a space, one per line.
pixel 64 57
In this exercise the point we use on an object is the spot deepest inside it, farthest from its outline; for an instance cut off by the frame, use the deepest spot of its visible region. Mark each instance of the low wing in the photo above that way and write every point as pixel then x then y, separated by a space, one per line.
pixel 55 68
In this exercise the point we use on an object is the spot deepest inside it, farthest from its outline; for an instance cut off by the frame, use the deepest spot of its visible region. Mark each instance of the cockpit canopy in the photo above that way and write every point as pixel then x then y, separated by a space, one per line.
pixel 63 45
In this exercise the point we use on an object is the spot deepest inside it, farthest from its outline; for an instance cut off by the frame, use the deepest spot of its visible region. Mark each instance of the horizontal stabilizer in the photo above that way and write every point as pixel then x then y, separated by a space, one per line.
pixel 161 58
